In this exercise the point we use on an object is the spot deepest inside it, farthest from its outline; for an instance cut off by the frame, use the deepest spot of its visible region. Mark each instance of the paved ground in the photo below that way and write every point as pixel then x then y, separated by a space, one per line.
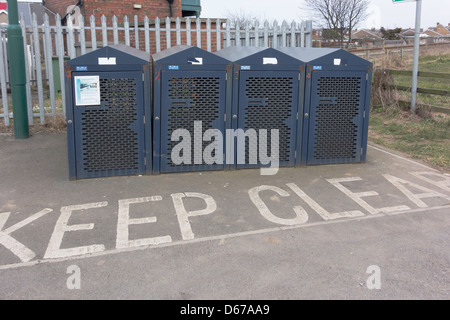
pixel 378 230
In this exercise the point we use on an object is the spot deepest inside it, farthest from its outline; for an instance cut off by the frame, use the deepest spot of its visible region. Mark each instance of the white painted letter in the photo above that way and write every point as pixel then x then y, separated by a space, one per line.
pixel 414 197
pixel 183 215
pixel 321 211
pixel 357 196
pixel 301 216
pixel 54 246
pixel 23 252
pixel 443 184
pixel 124 221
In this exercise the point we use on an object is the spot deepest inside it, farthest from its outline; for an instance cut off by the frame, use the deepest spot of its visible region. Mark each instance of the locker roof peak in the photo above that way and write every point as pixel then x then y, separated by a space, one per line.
pixel 185 55
pixel 257 56
pixel 125 55
pixel 323 55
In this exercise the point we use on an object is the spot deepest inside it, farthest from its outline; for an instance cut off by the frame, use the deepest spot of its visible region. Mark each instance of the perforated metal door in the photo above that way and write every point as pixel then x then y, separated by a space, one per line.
pixel 268 100
pixel 193 101
pixel 109 138
pixel 336 117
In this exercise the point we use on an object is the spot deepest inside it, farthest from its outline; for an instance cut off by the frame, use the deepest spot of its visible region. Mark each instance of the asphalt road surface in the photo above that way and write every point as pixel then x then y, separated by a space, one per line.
pixel 376 230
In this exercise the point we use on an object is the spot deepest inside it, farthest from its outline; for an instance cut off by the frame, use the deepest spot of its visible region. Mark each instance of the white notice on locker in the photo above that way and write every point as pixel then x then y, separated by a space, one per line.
pixel 87 90
pixel 107 61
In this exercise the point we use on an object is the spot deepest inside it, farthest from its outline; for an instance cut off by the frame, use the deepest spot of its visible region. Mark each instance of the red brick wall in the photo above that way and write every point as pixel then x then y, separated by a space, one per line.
pixel 59 6
pixel 150 8
pixel 121 8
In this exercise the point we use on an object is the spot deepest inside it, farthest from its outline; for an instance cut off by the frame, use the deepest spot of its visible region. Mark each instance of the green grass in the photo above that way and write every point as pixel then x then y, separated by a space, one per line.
pixel 424 139
pixel 439 63
pixel 432 63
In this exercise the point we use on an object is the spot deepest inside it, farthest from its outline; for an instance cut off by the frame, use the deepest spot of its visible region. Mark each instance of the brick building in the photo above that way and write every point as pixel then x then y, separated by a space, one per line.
pixel 140 8
pixel 121 8
pixel 3 12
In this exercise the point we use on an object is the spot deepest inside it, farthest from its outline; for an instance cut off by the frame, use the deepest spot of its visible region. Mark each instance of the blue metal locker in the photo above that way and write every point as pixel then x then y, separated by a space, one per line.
pixel 190 102
pixel 108 97
pixel 266 94
pixel 335 117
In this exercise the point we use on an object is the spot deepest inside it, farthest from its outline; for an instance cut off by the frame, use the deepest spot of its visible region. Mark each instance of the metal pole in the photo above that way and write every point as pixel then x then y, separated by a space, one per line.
pixel 416 56
pixel 17 72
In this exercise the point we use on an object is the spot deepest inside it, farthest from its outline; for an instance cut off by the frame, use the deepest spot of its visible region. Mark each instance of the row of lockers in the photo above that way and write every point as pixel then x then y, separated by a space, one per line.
pixel 186 109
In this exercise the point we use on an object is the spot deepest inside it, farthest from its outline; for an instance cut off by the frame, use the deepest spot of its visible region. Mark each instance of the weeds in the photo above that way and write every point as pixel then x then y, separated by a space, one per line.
pixel 424 135
pixel 52 124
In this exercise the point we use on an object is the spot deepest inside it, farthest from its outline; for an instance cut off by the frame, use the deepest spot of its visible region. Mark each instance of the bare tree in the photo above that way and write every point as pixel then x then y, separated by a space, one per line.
pixel 340 16
pixel 241 18
pixel 357 12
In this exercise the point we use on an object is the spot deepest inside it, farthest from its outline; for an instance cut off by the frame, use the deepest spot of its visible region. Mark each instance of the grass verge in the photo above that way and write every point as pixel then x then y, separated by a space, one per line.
pixel 425 139
pixel 425 135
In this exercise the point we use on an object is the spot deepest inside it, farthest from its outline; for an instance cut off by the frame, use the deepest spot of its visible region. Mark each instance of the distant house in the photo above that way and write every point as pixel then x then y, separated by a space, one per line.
pixel 26 9
pixel 445 31
pixel 367 38
pixel 408 33
pixel 431 35
pixel 3 12
pixel 317 34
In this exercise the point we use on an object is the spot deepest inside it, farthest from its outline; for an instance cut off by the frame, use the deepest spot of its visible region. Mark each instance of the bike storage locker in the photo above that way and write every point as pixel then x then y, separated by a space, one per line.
pixel 108 98
pixel 190 105
pixel 336 105
pixel 267 85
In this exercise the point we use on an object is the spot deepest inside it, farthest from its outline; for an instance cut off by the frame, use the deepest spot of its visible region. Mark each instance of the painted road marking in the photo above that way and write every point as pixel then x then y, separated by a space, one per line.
pixel 443 184
pixel 183 215
pixel 20 250
pixel 321 211
pixel 122 240
pixel 301 216
pixel 412 192
pixel 357 197
pixel 401 185
pixel 54 246
pixel 403 158
pixel 216 238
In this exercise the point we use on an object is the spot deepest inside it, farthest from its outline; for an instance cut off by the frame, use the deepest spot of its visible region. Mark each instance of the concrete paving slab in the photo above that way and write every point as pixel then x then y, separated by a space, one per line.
pixel 308 232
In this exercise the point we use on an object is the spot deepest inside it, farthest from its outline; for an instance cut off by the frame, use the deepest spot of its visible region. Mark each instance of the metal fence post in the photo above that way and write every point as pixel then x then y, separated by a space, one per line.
pixel 17 68
pixel 416 56
pixel 55 40
pixel 3 88
pixel 309 35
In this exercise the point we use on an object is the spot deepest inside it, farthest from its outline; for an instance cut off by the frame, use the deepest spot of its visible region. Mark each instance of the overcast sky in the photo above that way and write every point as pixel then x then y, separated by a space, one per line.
pixel 384 13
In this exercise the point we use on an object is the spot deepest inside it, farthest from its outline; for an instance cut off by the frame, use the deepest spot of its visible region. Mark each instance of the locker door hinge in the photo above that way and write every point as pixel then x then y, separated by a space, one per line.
pixel 295 154
pixel 367 76
pixel 297 115
pixel 225 117
pixel 144 119
pixel 364 114
pixel 362 149
pixel 143 77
